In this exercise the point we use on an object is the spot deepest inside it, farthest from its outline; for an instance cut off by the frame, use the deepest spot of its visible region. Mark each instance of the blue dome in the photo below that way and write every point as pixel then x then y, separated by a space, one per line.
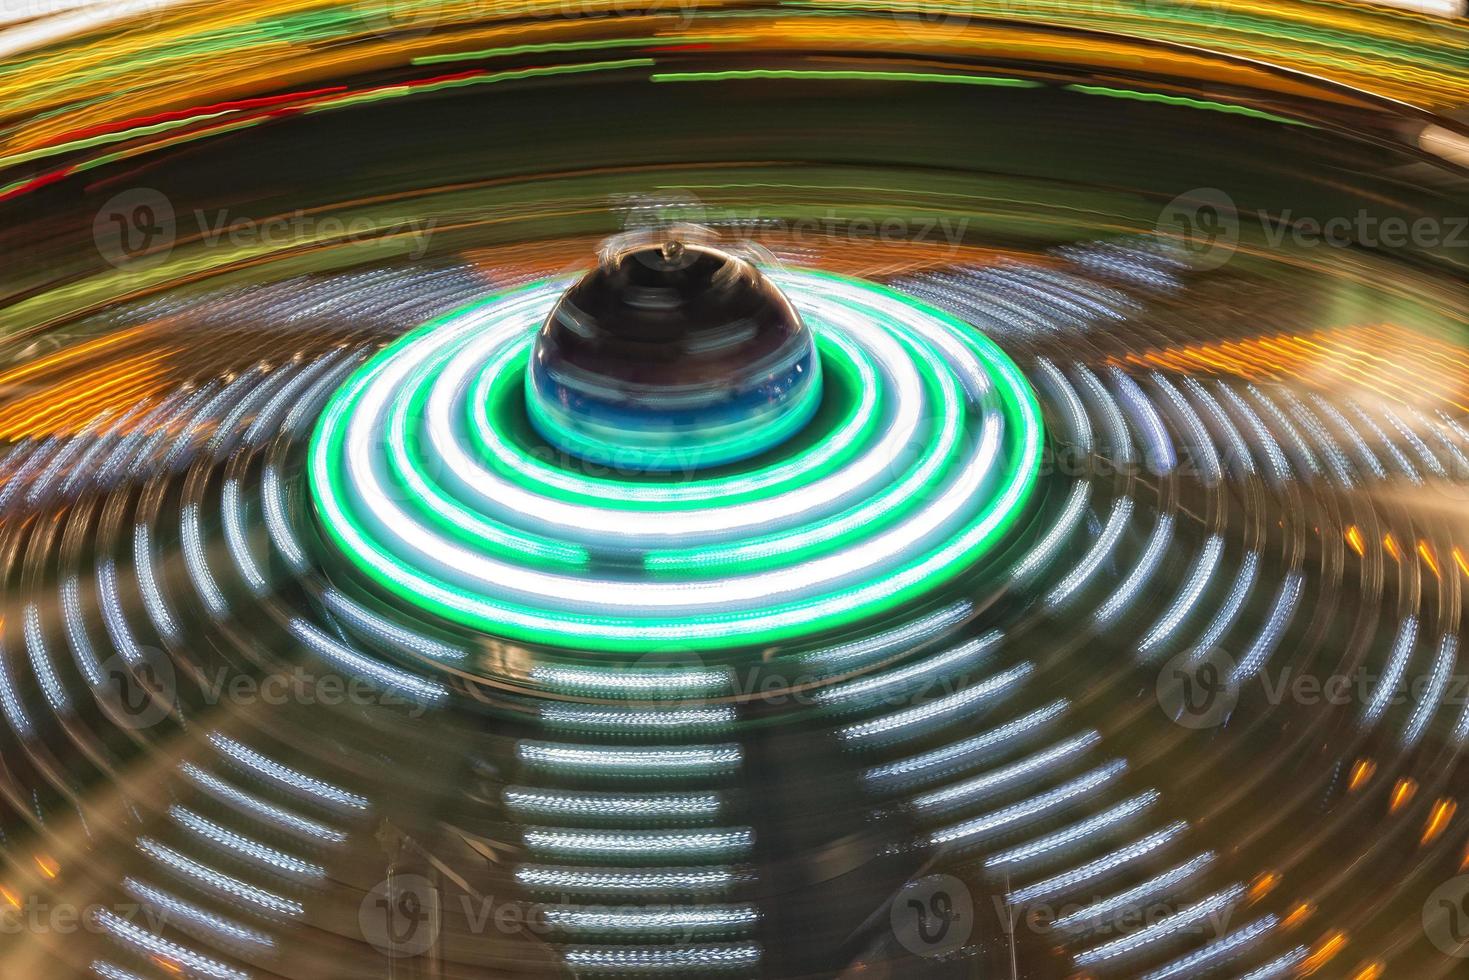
pixel 670 358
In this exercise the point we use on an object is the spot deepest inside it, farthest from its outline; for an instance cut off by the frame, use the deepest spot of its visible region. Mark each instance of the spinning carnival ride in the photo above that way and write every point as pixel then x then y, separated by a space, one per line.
pixel 964 522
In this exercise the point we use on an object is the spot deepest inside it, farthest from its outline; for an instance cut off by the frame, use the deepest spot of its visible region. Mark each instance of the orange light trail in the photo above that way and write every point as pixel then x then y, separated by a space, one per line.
pixel 1326 950
pixel 1426 553
pixel 109 388
pixel 1392 547
pixel 1326 358
pixel 1438 820
pixel 1402 793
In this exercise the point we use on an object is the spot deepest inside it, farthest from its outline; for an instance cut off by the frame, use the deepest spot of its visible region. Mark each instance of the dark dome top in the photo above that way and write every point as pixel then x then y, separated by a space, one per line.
pixel 675 316
pixel 672 356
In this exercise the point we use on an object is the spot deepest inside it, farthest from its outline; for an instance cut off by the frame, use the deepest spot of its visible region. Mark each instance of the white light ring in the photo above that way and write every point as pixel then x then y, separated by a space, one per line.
pixel 916 577
pixel 708 631
pixel 491 576
pixel 896 497
pixel 683 525
pixel 491 443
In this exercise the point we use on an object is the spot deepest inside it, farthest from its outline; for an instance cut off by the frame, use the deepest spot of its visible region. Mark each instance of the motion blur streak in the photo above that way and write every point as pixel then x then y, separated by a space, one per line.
pixel 1043 553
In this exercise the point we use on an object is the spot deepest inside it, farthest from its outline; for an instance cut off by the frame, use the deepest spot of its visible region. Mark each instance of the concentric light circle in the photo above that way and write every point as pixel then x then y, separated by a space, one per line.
pixel 428 477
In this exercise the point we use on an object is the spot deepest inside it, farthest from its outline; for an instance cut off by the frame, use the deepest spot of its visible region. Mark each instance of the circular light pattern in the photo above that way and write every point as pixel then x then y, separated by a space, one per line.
pixel 1258 469
pixel 926 447
pixel 1156 600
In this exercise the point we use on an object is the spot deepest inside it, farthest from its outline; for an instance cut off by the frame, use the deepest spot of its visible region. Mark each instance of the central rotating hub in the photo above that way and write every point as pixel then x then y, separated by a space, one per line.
pixel 427 481
pixel 669 358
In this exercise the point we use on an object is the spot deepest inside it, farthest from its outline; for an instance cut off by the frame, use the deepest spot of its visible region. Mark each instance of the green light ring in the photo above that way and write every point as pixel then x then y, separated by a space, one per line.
pixel 445 510
pixel 441 507
pixel 710 632
pixel 893 502
pixel 647 491
pixel 713 630
pixel 899 495
pixel 425 495
pixel 721 445
pixel 625 529
pixel 833 449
